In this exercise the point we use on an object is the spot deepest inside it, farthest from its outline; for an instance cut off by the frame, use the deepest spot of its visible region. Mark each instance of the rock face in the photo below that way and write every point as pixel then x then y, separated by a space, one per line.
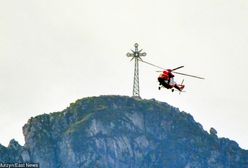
pixel 12 153
pixel 119 131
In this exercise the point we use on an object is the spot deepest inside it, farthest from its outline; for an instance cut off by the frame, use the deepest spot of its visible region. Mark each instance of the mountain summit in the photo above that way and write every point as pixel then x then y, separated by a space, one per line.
pixel 119 131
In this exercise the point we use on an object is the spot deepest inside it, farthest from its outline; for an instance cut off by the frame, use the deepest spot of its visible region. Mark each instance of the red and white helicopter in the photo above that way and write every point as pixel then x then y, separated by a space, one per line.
pixel 166 79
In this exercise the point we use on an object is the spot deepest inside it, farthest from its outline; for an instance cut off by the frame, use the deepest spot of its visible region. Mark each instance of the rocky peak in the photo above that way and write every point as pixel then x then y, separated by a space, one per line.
pixel 119 131
pixel 12 153
pixel 13 144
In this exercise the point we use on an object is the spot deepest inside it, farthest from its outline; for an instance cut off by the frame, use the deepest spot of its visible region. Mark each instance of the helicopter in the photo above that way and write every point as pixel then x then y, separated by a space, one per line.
pixel 166 79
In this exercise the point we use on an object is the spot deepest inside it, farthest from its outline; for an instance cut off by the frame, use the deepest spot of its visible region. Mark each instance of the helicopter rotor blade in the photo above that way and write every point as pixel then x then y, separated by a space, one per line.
pixel 177 68
pixel 140 59
pixel 153 65
pixel 161 67
pixel 193 76
pixel 182 81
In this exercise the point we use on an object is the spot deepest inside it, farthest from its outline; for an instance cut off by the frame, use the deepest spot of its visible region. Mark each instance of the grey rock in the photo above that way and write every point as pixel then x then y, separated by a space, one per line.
pixel 119 131
pixel 213 131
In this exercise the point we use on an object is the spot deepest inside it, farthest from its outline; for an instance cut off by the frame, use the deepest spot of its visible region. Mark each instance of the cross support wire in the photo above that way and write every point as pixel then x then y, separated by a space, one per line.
pixel 136 55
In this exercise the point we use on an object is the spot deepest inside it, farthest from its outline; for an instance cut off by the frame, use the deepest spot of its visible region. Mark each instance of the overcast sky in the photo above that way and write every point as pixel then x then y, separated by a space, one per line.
pixel 53 52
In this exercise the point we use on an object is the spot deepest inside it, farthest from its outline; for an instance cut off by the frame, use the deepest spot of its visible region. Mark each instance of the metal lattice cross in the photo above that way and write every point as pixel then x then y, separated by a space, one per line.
pixel 136 55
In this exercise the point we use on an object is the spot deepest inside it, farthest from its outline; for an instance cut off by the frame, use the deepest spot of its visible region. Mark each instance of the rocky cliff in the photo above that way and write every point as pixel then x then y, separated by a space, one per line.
pixel 119 131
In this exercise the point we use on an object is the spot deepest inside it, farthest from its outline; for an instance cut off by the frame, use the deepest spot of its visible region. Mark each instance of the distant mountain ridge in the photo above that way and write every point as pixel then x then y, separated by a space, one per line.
pixel 120 131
